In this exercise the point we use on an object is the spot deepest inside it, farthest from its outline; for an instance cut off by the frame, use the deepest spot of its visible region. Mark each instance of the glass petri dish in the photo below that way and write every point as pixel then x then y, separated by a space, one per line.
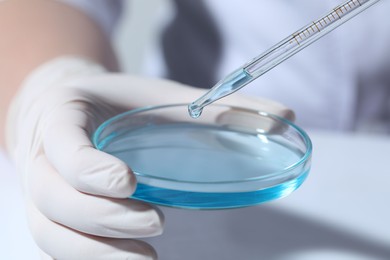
pixel 229 157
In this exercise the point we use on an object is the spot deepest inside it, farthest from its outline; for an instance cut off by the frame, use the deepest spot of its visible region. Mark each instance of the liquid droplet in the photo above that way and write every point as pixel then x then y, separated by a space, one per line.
pixel 194 111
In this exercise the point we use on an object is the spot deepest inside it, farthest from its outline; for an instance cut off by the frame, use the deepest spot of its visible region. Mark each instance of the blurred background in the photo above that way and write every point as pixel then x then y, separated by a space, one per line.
pixel 140 20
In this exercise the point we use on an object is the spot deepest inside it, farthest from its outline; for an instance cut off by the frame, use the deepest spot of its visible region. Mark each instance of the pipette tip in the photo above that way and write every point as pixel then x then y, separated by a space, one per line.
pixel 194 110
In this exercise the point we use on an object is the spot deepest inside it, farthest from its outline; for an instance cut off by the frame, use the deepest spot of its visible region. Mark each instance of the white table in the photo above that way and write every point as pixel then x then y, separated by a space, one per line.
pixel 341 212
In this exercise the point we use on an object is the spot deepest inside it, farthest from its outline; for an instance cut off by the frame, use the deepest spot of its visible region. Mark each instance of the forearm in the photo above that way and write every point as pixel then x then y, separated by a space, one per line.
pixel 34 31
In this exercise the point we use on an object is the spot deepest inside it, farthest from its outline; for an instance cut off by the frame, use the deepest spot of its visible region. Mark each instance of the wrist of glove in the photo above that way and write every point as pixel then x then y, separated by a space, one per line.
pixel 76 196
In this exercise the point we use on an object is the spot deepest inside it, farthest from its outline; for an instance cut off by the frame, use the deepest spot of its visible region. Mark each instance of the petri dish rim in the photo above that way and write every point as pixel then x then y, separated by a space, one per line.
pixel 306 156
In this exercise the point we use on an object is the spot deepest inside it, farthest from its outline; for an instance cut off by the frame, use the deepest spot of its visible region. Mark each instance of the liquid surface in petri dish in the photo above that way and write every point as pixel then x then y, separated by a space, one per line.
pixel 197 156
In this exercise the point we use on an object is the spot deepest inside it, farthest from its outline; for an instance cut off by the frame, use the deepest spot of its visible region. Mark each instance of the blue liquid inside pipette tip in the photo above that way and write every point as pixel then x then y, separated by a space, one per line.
pixel 227 86
pixel 194 110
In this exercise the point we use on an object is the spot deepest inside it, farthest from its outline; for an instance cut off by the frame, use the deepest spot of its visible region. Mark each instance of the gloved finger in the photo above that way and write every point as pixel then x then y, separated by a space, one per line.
pixel 259 104
pixel 44 256
pixel 61 242
pixel 132 92
pixel 129 91
pixel 68 147
pixel 140 92
pixel 101 216
pixel 252 122
pixel 239 118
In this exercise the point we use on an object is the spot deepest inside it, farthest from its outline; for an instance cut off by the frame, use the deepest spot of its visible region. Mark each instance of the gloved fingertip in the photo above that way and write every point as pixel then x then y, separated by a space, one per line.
pixel 146 252
pixel 44 256
pixel 155 225
pixel 141 220
pixel 288 114
pixel 108 178
pixel 121 183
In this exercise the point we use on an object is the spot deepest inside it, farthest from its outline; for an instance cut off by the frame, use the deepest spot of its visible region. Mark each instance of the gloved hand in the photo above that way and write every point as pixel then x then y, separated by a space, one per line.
pixel 76 196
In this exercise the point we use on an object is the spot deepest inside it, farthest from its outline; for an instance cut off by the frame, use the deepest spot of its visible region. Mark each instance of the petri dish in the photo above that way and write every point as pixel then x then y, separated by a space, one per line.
pixel 229 157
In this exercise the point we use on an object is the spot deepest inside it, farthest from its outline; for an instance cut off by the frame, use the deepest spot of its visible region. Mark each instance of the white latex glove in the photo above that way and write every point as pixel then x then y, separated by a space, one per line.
pixel 76 196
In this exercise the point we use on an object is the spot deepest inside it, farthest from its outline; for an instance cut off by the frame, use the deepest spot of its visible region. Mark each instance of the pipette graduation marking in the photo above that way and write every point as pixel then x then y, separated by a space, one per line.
pixel 279 53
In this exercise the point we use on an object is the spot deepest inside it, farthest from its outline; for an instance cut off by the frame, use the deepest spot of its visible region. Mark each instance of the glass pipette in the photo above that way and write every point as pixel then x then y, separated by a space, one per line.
pixel 280 52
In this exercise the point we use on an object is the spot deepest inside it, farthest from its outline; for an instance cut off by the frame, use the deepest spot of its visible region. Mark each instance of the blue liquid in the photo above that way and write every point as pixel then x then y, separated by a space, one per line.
pixel 209 200
pixel 205 167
